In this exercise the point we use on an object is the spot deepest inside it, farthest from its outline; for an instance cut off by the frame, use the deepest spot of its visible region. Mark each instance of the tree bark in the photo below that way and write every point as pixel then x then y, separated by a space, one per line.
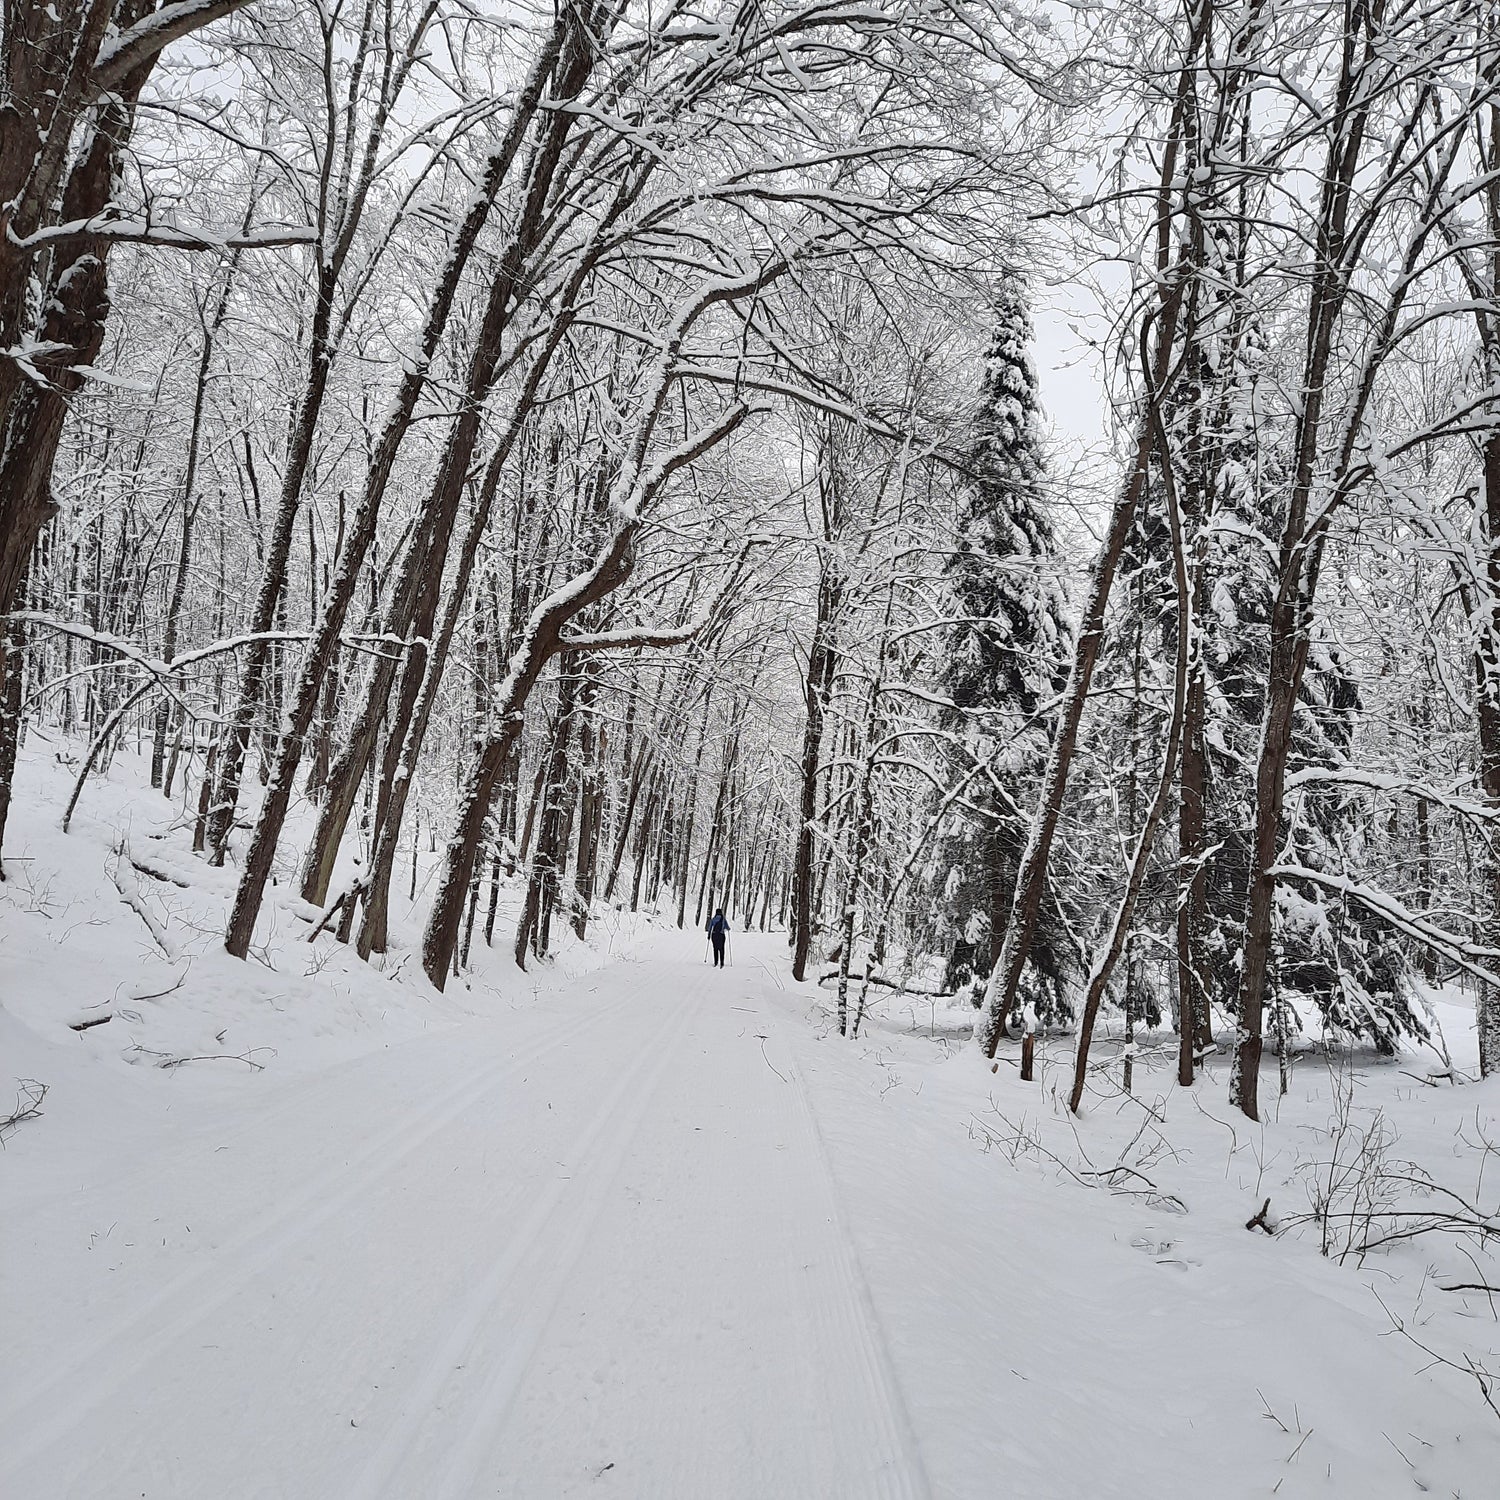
pixel 822 661
pixel 189 508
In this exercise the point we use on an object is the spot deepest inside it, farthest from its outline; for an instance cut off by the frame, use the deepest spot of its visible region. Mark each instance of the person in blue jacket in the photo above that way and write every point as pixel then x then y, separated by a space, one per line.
pixel 718 931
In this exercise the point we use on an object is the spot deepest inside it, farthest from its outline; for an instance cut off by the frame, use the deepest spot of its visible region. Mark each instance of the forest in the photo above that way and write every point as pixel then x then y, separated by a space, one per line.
pixel 749 749
pixel 596 454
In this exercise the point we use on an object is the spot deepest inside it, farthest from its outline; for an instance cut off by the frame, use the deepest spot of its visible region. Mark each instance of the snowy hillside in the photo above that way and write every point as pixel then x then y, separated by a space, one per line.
pixel 631 1226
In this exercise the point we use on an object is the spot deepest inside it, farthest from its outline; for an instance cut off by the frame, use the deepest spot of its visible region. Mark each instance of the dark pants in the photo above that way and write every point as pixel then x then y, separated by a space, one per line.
pixel 718 941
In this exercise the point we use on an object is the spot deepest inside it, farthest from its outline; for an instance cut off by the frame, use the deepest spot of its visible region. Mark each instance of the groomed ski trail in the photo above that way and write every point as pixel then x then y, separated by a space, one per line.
pixel 600 1253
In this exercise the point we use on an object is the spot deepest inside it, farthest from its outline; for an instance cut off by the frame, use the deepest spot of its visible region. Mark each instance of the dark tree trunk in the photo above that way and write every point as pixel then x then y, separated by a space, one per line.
pixel 541 883
pixel 822 660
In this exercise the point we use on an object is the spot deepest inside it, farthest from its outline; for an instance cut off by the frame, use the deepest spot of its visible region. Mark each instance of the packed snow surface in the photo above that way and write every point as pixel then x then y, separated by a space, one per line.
pixel 656 1230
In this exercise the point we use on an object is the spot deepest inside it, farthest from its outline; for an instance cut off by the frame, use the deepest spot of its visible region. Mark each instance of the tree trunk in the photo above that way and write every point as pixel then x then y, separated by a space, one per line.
pixel 549 843
pixel 684 844
pixel 822 661
pixel 189 510
pixel 593 747
pixel 1104 968
pixel 1487 696
pixel 1192 991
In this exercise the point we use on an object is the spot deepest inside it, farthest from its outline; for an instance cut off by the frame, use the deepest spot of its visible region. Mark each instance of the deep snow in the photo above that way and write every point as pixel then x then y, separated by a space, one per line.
pixel 629 1227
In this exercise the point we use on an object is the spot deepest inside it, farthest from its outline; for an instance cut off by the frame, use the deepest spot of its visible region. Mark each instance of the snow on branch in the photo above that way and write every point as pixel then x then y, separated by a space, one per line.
pixel 1458 950
pixel 117 228
pixel 627 637
pixel 129 652
pixel 139 44
pixel 1382 781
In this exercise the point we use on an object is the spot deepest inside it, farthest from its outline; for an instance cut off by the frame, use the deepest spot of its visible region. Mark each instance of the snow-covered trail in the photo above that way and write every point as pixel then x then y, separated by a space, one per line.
pixel 592 1247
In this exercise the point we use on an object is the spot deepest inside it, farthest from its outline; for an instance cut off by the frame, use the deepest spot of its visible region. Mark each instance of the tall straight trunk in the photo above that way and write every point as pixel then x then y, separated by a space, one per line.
pixel 684 844
pixel 822 661
pixel 634 760
pixel 663 846
pixel 710 873
pixel 474 883
pixel 1487 636
pixel 647 848
pixel 592 749
pixel 543 872
pixel 757 863
pixel 1302 540
pixel 716 830
pixel 864 792
pixel 10 717
pixel 189 509
pixel 627 822
pixel 1487 702
pixel 494 900
pixel 1192 989
pixel 731 849
pixel 1136 875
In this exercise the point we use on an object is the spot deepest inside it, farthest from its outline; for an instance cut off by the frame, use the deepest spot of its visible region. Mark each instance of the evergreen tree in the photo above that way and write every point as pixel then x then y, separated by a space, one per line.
pixel 1006 652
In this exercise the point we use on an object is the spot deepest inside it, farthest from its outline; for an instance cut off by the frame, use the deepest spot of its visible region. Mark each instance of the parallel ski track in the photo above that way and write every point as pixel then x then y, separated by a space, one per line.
pixel 99 1368
pixel 850 1321
pixel 521 1293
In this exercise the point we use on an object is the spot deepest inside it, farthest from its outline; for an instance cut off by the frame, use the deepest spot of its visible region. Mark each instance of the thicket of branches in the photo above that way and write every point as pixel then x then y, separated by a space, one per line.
pixel 601 444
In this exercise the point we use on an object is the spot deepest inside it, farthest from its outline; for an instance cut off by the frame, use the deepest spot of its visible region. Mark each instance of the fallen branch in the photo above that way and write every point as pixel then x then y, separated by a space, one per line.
pixel 248 1058
pixel 891 984
pixel 1488 1381
pixel 1431 1083
pixel 166 879
pixel 29 1098
pixel 1104 1177
pixel 161 994
pixel 344 902
pixel 129 888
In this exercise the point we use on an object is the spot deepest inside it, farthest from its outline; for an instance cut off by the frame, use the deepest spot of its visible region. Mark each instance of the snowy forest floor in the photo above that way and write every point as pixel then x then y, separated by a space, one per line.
pixel 627 1226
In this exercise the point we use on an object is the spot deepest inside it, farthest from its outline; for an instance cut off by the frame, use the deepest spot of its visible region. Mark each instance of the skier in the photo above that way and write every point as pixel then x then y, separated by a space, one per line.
pixel 718 932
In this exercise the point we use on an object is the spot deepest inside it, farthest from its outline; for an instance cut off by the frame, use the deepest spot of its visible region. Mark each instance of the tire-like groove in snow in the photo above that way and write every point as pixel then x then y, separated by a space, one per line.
pixel 534 1270
pixel 42 1417
pixel 852 1322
